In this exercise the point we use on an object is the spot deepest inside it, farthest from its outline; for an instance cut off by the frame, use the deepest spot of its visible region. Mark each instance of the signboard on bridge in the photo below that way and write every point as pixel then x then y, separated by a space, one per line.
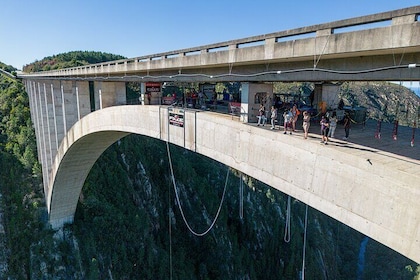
pixel 176 117
pixel 153 87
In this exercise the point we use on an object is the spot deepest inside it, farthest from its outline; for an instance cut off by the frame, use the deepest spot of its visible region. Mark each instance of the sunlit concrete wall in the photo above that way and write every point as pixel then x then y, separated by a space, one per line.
pixel 377 199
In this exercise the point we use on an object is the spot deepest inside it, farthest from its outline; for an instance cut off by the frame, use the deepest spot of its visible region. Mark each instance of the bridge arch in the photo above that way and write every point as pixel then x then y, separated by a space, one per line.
pixel 303 169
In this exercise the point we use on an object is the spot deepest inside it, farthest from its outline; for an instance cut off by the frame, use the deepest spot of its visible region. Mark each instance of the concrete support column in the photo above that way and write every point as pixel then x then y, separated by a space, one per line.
pixel 54 116
pixel 81 91
pixel 110 94
pixel 318 97
pixel 70 110
pixel 30 87
pixel 404 19
pixel 326 97
pixel 269 48
pixel 254 94
pixel 56 96
pixel 232 53
pixel 324 32
pixel 44 153
pixel 49 125
pixel 142 93
pixel 244 102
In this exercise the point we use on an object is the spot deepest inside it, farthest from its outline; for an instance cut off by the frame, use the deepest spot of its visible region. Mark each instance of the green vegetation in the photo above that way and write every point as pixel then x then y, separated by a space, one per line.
pixel 70 59
pixel 128 224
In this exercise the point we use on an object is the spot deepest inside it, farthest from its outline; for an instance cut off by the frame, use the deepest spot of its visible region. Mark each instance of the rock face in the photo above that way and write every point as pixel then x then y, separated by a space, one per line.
pixel 386 101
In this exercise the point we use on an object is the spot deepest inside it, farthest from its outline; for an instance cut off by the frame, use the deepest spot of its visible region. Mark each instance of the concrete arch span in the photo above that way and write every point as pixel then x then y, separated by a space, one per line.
pixel 375 199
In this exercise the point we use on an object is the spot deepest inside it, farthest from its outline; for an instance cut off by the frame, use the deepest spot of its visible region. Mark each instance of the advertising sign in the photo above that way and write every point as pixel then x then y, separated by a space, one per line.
pixel 176 117
pixel 152 87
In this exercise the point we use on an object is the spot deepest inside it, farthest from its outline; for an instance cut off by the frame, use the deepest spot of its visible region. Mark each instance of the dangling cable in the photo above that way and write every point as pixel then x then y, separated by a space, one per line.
pixel 170 233
pixel 287 225
pixel 179 204
pixel 241 198
pixel 316 60
pixel 304 243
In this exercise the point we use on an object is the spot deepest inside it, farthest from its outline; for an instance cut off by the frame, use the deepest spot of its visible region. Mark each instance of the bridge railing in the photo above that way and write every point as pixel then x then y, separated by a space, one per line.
pixel 143 63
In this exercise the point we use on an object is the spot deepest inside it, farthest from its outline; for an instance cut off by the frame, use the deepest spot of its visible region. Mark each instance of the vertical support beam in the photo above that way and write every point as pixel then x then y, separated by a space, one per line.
pixel 44 158
pixel 269 48
pixel 63 106
pixel 142 93
pixel 254 94
pixel 58 111
pixel 48 128
pixel 100 99
pixel 31 101
pixel 55 118
pixel 77 103
pixel 245 102
pixel 35 120
pixel 111 93
pixel 68 94
pixel 84 97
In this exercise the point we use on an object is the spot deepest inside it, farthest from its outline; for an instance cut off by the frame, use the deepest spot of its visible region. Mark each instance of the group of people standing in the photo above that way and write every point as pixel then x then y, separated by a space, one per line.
pixel 328 123
pixel 290 118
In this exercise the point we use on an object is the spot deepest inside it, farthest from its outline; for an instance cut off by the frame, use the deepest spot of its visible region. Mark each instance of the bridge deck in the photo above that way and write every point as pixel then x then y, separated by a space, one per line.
pixel 363 143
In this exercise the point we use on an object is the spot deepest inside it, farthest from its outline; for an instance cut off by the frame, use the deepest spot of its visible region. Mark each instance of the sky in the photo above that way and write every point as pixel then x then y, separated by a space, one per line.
pixel 31 30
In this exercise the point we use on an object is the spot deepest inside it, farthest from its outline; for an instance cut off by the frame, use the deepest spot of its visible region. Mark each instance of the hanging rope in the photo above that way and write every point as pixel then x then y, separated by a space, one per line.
pixel 304 243
pixel 316 61
pixel 395 130
pixel 241 198
pixel 378 130
pixel 170 233
pixel 179 204
pixel 414 133
pixel 287 225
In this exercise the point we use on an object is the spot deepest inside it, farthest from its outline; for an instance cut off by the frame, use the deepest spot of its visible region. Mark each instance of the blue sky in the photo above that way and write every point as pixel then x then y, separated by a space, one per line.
pixel 31 30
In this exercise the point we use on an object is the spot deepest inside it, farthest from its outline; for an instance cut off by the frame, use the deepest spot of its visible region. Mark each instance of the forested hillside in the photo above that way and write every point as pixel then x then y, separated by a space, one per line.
pixel 70 59
pixel 128 223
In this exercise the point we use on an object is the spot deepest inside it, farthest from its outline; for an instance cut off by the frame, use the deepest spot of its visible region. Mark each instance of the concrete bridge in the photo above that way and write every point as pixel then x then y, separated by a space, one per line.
pixel 383 47
pixel 76 118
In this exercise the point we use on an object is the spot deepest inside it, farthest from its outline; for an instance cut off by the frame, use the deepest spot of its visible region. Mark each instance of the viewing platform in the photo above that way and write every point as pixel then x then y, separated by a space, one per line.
pixel 364 141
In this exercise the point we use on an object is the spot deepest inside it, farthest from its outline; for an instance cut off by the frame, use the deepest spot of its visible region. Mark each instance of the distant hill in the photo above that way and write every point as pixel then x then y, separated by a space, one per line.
pixel 8 68
pixel 70 59
pixel 384 100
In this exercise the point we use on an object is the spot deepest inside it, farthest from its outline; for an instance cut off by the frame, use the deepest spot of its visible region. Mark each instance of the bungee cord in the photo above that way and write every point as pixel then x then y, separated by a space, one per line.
pixel 170 234
pixel 316 60
pixel 179 204
pixel 287 224
pixel 241 198
pixel 304 243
